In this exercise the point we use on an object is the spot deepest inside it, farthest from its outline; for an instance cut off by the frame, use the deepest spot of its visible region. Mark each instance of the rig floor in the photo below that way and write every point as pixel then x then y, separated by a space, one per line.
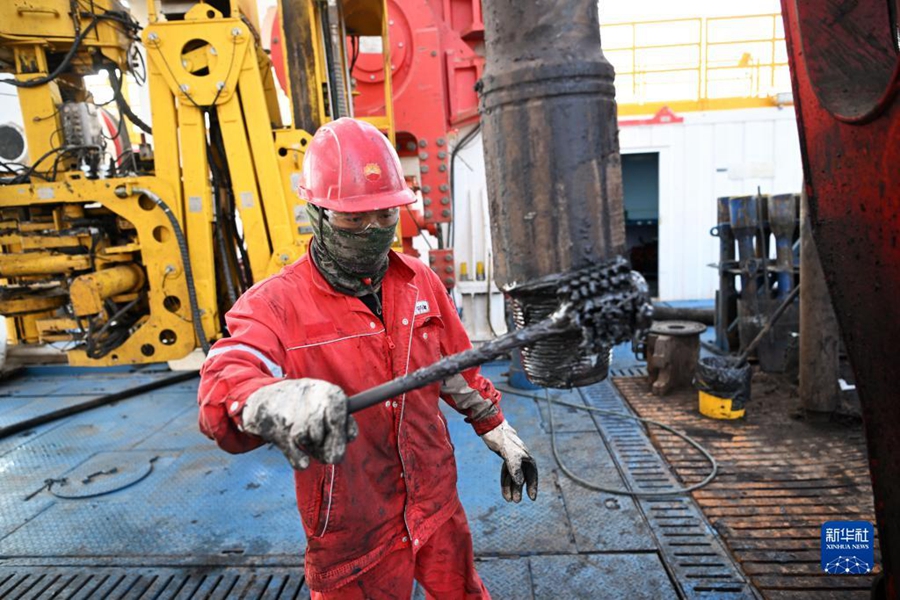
pixel 152 509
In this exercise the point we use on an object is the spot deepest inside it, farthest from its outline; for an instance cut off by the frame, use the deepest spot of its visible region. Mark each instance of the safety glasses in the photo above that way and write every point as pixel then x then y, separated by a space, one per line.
pixel 361 221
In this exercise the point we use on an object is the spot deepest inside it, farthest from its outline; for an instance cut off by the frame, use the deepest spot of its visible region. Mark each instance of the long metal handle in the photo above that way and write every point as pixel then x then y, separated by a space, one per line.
pixel 459 362
pixel 742 357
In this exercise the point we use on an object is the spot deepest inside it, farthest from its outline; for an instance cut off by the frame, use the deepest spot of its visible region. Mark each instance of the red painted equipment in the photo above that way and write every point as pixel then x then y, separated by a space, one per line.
pixel 435 69
pixel 442 263
pixel 351 167
pixel 664 116
pixel 846 76
pixel 412 223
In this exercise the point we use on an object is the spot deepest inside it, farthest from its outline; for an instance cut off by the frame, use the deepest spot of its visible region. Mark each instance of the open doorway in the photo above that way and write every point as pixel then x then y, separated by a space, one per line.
pixel 640 179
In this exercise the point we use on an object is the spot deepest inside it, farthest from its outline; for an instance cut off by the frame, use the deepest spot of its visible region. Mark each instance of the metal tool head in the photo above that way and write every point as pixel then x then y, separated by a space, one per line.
pixel 783 214
pixel 603 305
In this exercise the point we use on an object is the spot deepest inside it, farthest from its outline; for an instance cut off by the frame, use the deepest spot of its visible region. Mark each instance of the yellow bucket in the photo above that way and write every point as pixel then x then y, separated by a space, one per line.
pixel 718 408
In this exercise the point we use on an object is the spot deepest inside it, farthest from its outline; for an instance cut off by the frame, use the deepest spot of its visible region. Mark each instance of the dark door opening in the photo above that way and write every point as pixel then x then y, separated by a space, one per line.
pixel 640 180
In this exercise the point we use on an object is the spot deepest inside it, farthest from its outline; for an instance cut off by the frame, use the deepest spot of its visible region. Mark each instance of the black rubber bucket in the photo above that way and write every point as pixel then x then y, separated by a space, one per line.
pixel 724 387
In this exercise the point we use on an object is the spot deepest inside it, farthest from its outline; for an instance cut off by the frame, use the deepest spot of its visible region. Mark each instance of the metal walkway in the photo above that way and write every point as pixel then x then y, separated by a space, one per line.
pixel 152 509
pixel 781 478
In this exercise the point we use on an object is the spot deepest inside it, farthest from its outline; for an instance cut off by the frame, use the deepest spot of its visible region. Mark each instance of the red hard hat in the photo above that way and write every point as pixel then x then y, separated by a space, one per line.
pixel 350 166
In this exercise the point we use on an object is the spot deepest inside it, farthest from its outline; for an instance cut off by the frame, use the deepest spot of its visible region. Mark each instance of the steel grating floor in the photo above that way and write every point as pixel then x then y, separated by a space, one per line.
pixel 183 519
pixel 781 477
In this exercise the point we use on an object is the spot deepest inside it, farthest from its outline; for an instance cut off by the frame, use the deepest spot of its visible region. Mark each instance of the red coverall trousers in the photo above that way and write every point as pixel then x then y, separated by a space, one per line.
pixel 444 567
pixel 390 509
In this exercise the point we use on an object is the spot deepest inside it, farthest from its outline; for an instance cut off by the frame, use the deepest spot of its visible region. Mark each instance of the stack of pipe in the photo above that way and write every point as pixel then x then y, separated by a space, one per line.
pixel 750 223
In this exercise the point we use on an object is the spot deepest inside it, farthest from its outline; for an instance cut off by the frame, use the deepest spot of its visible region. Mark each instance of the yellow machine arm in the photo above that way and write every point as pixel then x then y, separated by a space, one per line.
pixel 134 256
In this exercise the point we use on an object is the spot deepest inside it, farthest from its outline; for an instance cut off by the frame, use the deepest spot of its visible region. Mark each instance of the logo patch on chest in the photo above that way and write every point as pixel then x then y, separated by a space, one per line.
pixel 422 307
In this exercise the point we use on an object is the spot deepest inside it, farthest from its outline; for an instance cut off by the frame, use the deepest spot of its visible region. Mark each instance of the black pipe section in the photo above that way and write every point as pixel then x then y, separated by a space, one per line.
pixel 457 363
pixel 550 140
pixel 744 217
pixel 553 167
pixel 726 298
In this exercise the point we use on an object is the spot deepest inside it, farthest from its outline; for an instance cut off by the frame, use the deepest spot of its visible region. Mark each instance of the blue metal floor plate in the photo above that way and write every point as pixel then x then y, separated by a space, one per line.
pixel 206 523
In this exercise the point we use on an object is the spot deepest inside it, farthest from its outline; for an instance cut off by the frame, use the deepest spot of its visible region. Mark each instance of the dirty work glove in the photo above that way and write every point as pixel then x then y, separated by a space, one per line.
pixel 303 417
pixel 518 468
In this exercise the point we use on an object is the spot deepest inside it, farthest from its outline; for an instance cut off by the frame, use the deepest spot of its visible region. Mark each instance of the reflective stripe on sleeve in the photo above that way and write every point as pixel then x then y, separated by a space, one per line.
pixel 467 399
pixel 273 368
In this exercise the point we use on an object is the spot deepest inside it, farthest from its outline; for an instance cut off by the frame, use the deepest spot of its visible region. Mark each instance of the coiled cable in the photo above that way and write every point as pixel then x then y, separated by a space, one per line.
pixel 610 413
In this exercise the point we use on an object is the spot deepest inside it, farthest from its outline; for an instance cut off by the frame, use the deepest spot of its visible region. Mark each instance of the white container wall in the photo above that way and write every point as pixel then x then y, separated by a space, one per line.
pixel 708 155
pixel 472 246
pixel 711 154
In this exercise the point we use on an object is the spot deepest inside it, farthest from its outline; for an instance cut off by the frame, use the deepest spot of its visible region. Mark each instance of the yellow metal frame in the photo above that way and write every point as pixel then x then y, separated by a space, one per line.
pixel 159 256
pixel 634 101
pixel 197 65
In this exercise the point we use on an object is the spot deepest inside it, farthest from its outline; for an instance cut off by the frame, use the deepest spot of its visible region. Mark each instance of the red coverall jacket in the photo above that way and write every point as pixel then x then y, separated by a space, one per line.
pixel 397 483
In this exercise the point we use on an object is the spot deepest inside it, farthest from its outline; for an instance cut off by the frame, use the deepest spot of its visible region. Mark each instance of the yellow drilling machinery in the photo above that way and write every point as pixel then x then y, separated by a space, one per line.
pixel 123 242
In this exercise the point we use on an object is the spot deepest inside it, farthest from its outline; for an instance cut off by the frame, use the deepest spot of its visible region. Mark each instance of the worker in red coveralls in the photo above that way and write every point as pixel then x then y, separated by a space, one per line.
pixel 382 510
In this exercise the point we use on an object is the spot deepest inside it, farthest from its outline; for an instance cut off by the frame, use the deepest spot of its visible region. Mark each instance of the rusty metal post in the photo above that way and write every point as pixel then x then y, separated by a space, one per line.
pixel 552 159
pixel 744 215
pixel 845 72
pixel 296 31
pixel 726 301
pixel 673 348
pixel 819 333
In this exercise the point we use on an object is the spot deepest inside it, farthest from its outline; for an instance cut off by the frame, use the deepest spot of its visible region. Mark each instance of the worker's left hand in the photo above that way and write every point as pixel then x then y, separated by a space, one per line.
pixel 519 467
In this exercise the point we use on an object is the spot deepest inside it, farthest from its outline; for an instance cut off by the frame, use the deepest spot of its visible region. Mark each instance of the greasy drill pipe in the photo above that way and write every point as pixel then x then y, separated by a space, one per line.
pixel 553 167
pixel 603 305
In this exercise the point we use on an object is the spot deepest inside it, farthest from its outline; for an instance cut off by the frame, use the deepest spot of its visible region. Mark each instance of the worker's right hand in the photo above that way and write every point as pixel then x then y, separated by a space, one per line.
pixel 303 417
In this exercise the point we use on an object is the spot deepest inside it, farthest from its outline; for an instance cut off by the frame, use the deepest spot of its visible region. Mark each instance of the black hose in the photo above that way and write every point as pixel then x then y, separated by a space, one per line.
pixel 336 90
pixel 107 346
pixel 186 261
pixel 242 262
pixel 96 402
pixel 67 59
pixel 123 104
pixel 224 255
pixel 32 170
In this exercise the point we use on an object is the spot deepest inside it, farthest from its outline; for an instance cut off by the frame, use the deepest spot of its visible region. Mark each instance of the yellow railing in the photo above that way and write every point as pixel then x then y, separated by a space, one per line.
pixel 698 63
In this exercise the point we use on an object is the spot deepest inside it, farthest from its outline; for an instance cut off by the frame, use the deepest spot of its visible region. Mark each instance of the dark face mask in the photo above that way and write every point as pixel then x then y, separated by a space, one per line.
pixel 346 258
